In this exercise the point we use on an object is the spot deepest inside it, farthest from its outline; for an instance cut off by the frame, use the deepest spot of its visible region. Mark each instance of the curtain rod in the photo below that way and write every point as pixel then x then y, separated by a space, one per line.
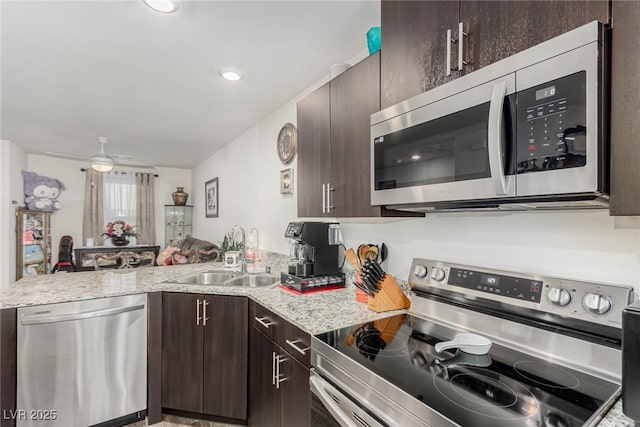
pixel 85 169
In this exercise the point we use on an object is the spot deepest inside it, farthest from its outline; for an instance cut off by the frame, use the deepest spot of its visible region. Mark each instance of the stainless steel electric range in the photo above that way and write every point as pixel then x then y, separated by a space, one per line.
pixel 546 353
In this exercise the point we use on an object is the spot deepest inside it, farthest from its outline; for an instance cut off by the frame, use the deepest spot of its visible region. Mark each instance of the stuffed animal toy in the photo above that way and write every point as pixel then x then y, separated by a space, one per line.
pixel 33 254
pixel 41 192
pixel 165 258
pixel 28 238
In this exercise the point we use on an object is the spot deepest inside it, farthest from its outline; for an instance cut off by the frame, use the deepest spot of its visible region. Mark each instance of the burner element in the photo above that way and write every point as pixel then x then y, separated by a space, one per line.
pixel 546 374
pixel 481 392
pixel 369 343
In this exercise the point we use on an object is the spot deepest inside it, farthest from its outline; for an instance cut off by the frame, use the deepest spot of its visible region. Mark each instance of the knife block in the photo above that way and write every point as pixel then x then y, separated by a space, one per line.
pixel 389 297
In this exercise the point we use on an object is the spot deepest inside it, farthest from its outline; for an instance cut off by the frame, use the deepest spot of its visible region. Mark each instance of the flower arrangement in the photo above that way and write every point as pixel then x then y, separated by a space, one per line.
pixel 119 231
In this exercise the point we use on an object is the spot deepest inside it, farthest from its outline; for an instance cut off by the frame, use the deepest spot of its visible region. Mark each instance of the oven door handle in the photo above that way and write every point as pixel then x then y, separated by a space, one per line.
pixel 494 138
pixel 319 388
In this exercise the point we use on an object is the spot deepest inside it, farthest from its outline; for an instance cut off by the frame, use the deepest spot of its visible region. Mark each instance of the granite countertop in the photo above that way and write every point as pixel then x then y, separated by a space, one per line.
pixel 314 313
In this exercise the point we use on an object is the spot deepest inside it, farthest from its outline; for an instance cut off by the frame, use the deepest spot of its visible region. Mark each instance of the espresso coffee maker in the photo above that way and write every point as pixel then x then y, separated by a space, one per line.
pixel 314 262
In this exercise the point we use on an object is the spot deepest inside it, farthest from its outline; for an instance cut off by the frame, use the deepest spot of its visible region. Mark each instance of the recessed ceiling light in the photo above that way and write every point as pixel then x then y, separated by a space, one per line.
pixel 165 6
pixel 230 75
pixel 415 157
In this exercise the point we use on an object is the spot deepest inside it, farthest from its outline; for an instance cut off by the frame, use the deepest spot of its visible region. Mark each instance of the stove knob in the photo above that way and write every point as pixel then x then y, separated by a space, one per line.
pixel 597 304
pixel 559 296
pixel 420 271
pixel 437 274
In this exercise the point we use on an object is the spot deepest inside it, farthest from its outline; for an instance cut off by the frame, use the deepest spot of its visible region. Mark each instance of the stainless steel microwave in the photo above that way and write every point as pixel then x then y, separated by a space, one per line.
pixel 526 132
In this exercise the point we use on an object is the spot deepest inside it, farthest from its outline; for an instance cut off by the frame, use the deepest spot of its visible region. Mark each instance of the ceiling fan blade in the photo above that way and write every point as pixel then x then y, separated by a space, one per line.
pixel 135 165
pixel 120 156
pixel 66 156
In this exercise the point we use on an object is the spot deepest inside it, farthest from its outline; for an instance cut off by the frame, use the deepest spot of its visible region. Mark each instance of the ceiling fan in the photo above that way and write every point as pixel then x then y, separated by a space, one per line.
pixel 101 161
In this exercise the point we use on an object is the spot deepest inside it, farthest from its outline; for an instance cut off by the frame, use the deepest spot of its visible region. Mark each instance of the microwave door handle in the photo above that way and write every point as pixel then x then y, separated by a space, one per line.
pixel 494 135
pixel 448 62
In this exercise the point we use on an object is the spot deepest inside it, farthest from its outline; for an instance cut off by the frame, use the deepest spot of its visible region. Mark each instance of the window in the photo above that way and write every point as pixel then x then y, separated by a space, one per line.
pixel 119 197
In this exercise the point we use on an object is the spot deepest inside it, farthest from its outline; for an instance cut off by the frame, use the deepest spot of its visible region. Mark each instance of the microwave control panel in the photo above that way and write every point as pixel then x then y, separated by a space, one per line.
pixel 551 125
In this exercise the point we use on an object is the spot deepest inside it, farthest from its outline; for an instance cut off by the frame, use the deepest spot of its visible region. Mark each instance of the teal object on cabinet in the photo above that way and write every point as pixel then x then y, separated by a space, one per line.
pixel 373 39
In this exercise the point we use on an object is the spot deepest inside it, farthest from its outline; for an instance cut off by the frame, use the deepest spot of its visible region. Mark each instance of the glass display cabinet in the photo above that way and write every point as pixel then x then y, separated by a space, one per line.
pixel 178 224
pixel 33 243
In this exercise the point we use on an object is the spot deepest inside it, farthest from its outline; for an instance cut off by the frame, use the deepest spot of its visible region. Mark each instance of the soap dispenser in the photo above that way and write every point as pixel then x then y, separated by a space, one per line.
pixel 253 248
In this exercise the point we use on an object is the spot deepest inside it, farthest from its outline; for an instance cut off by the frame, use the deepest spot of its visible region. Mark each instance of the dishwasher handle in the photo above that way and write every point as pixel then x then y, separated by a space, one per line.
pixel 81 316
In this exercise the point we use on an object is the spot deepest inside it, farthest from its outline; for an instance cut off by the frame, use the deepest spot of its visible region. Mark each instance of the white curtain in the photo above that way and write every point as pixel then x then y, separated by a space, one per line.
pixel 119 199
pixel 145 208
pixel 93 218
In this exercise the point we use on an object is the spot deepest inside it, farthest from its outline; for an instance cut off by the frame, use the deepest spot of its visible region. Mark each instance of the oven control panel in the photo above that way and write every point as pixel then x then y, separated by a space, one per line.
pixel 497 284
pixel 593 302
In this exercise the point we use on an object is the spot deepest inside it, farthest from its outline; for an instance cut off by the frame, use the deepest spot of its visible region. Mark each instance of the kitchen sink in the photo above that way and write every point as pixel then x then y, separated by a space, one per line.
pixel 253 280
pixel 206 278
pixel 228 279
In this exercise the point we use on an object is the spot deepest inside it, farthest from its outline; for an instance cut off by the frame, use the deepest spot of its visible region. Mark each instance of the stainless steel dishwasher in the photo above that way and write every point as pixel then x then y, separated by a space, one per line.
pixel 82 363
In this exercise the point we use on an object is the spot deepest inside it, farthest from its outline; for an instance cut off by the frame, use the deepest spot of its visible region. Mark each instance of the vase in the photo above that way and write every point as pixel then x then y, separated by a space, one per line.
pixel 180 197
pixel 119 241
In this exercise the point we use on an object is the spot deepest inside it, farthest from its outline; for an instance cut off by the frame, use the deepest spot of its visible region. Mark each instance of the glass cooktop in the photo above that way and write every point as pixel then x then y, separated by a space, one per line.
pixel 502 388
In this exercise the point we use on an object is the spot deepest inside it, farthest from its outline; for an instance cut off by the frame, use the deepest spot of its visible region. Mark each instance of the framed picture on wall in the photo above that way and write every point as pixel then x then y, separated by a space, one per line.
pixel 286 181
pixel 211 198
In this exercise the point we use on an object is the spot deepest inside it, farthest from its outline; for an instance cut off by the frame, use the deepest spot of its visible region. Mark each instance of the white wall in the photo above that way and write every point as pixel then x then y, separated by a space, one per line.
pixel 248 170
pixel 12 161
pixel 5 225
pixel 68 220
pixel 583 245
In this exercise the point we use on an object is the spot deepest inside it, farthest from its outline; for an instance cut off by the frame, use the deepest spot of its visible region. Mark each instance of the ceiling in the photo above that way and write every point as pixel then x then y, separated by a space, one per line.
pixel 73 71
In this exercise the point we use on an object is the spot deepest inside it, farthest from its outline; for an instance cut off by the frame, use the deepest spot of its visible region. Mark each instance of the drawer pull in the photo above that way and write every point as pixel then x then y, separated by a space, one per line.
pixel 264 321
pixel 303 351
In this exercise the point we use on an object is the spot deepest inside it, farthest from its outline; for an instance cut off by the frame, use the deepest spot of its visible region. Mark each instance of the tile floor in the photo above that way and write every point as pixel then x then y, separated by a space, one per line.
pixel 172 421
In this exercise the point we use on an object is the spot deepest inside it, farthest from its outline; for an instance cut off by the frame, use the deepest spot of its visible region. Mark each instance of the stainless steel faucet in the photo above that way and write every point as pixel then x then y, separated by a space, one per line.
pixel 243 263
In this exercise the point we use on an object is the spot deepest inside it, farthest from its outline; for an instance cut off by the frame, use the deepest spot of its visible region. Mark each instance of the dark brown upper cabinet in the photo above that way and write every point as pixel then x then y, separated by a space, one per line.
pixel 204 354
pixel 498 29
pixel 334 125
pixel 334 145
pixel 414 47
pixel 314 130
pixel 422 40
pixel 355 95
pixel 625 104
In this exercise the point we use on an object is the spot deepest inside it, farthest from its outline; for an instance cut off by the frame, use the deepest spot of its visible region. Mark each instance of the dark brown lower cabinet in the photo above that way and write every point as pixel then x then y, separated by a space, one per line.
pixel 295 393
pixel 264 401
pixel 8 365
pixel 279 393
pixel 204 354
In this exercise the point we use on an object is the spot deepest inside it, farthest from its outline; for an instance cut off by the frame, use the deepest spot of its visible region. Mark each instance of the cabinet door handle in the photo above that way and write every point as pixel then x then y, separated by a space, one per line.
pixel 278 377
pixel 329 205
pixel 303 351
pixel 198 312
pixel 264 321
pixel 324 198
pixel 273 368
pixel 461 36
pixel 448 64
pixel 204 312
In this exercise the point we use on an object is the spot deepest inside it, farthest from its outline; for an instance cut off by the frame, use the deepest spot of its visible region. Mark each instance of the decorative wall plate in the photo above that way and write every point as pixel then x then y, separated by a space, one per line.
pixel 287 143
